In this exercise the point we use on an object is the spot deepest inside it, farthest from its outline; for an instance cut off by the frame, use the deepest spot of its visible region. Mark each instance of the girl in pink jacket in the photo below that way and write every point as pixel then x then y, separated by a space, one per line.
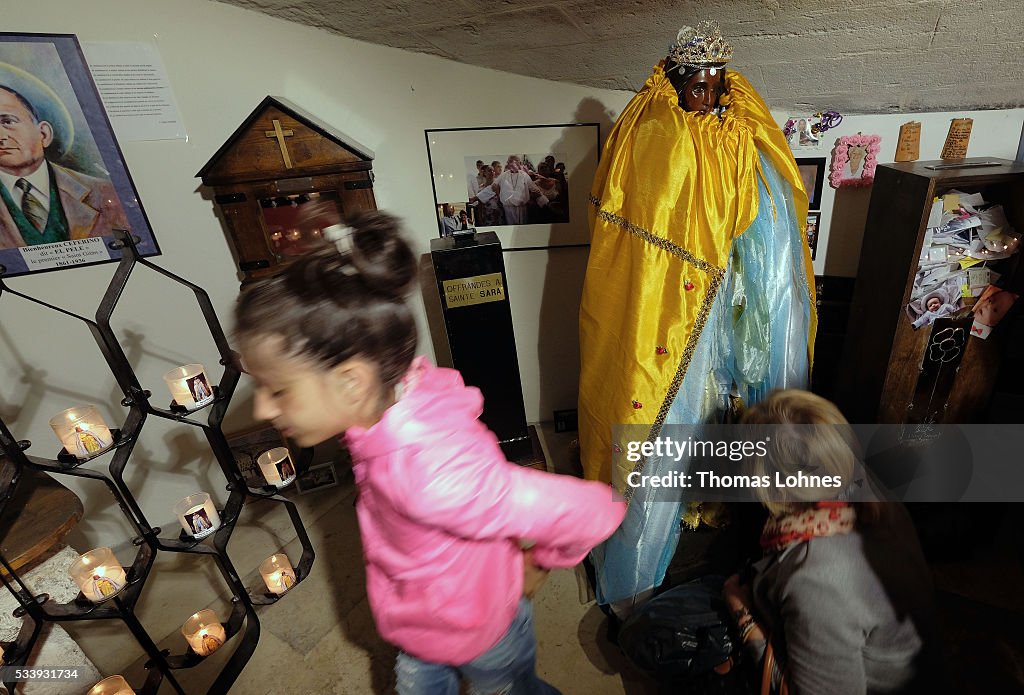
pixel 330 344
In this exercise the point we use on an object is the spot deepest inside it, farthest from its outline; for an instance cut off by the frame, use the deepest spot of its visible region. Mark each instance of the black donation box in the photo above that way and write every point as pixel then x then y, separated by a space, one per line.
pixel 470 275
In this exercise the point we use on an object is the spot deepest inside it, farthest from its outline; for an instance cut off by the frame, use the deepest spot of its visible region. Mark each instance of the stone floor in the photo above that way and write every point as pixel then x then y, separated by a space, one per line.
pixel 321 639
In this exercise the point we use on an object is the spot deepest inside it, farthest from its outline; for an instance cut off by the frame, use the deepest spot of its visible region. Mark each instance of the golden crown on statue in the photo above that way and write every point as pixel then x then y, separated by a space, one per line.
pixel 700 46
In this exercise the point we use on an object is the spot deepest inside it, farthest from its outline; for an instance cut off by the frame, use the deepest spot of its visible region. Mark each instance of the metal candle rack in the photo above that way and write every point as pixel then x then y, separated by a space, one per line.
pixel 243 624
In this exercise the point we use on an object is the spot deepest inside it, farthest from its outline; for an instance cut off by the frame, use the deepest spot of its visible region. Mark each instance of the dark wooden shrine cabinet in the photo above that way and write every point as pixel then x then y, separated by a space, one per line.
pixel 891 373
pixel 280 180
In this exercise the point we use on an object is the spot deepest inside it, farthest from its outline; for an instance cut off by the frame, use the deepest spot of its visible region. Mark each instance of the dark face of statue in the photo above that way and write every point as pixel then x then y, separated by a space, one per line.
pixel 698 90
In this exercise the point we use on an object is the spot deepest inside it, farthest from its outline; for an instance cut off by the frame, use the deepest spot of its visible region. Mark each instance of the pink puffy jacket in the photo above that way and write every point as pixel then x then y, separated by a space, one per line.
pixel 441 513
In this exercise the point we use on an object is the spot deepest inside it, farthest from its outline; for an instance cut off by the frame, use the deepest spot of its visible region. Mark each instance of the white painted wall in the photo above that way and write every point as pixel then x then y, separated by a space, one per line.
pixel 843 212
pixel 222 61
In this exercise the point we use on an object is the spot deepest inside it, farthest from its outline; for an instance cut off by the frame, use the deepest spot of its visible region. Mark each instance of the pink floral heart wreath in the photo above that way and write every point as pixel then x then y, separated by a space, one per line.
pixel 860 146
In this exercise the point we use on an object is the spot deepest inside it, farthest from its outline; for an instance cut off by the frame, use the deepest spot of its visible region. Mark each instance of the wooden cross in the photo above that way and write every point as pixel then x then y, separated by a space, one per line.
pixel 281 134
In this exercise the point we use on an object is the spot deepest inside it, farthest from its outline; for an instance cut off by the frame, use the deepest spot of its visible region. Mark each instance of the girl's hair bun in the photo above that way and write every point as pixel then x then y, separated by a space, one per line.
pixel 345 299
pixel 369 261
pixel 380 254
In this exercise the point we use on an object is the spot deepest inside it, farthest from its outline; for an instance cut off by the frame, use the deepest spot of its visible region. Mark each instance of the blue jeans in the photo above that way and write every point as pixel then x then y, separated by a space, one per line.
pixel 507 668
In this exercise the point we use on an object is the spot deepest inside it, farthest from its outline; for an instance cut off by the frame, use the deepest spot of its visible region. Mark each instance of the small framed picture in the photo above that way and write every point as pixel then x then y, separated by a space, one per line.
pixel 317 477
pixel 813 222
pixel 854 160
pixel 812 171
pixel 455 217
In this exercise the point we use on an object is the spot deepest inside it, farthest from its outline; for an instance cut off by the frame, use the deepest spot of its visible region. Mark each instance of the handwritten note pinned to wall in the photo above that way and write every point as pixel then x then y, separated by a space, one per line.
pixel 957 139
pixel 908 149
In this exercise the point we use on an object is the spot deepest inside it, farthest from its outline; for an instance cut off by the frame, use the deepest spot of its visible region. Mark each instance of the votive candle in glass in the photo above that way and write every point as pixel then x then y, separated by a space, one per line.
pixel 82 431
pixel 277 467
pixel 98 574
pixel 198 515
pixel 277 573
pixel 112 685
pixel 204 632
pixel 189 386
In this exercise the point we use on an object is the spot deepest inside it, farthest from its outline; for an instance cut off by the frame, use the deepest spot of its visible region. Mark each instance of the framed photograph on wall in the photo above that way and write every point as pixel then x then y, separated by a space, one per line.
pixel 854 159
pixel 65 187
pixel 813 224
pixel 529 184
pixel 812 171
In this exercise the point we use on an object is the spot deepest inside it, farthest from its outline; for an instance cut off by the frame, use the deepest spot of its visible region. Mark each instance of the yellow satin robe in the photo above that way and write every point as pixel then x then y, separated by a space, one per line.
pixel 671 192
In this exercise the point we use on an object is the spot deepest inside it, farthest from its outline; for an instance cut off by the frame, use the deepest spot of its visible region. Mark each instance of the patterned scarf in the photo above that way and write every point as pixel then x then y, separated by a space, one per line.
pixel 824 519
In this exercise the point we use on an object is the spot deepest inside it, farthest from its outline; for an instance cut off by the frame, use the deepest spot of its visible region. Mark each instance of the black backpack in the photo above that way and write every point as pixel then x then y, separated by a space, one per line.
pixel 680 634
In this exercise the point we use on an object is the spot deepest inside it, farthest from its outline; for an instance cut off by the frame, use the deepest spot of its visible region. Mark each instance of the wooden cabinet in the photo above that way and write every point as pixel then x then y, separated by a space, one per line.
pixel 280 180
pixel 891 373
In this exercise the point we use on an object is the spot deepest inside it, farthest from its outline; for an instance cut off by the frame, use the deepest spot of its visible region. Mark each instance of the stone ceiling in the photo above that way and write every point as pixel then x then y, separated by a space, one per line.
pixel 870 56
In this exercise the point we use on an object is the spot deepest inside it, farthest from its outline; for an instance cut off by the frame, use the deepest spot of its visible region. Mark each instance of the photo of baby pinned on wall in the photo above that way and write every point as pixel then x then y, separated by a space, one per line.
pixel 992 306
pixel 944 300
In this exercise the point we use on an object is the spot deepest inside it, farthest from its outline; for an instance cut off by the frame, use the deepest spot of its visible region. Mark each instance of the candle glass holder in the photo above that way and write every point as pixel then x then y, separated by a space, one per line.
pixel 204 632
pixel 198 515
pixel 82 431
pixel 98 574
pixel 277 467
pixel 189 386
pixel 277 573
pixel 112 685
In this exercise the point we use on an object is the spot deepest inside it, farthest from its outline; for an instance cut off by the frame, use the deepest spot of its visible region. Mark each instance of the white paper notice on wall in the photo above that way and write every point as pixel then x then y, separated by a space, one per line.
pixel 136 93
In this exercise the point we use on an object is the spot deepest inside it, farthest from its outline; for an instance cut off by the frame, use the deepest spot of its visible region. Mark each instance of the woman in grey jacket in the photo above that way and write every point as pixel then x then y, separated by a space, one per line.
pixel 842 592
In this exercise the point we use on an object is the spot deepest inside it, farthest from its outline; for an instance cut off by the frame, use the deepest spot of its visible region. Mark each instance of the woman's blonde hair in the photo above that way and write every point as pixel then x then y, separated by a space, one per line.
pixel 819 442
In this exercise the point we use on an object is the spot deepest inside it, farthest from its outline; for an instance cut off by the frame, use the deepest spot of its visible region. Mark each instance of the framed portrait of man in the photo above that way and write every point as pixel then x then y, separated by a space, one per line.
pixel 64 184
